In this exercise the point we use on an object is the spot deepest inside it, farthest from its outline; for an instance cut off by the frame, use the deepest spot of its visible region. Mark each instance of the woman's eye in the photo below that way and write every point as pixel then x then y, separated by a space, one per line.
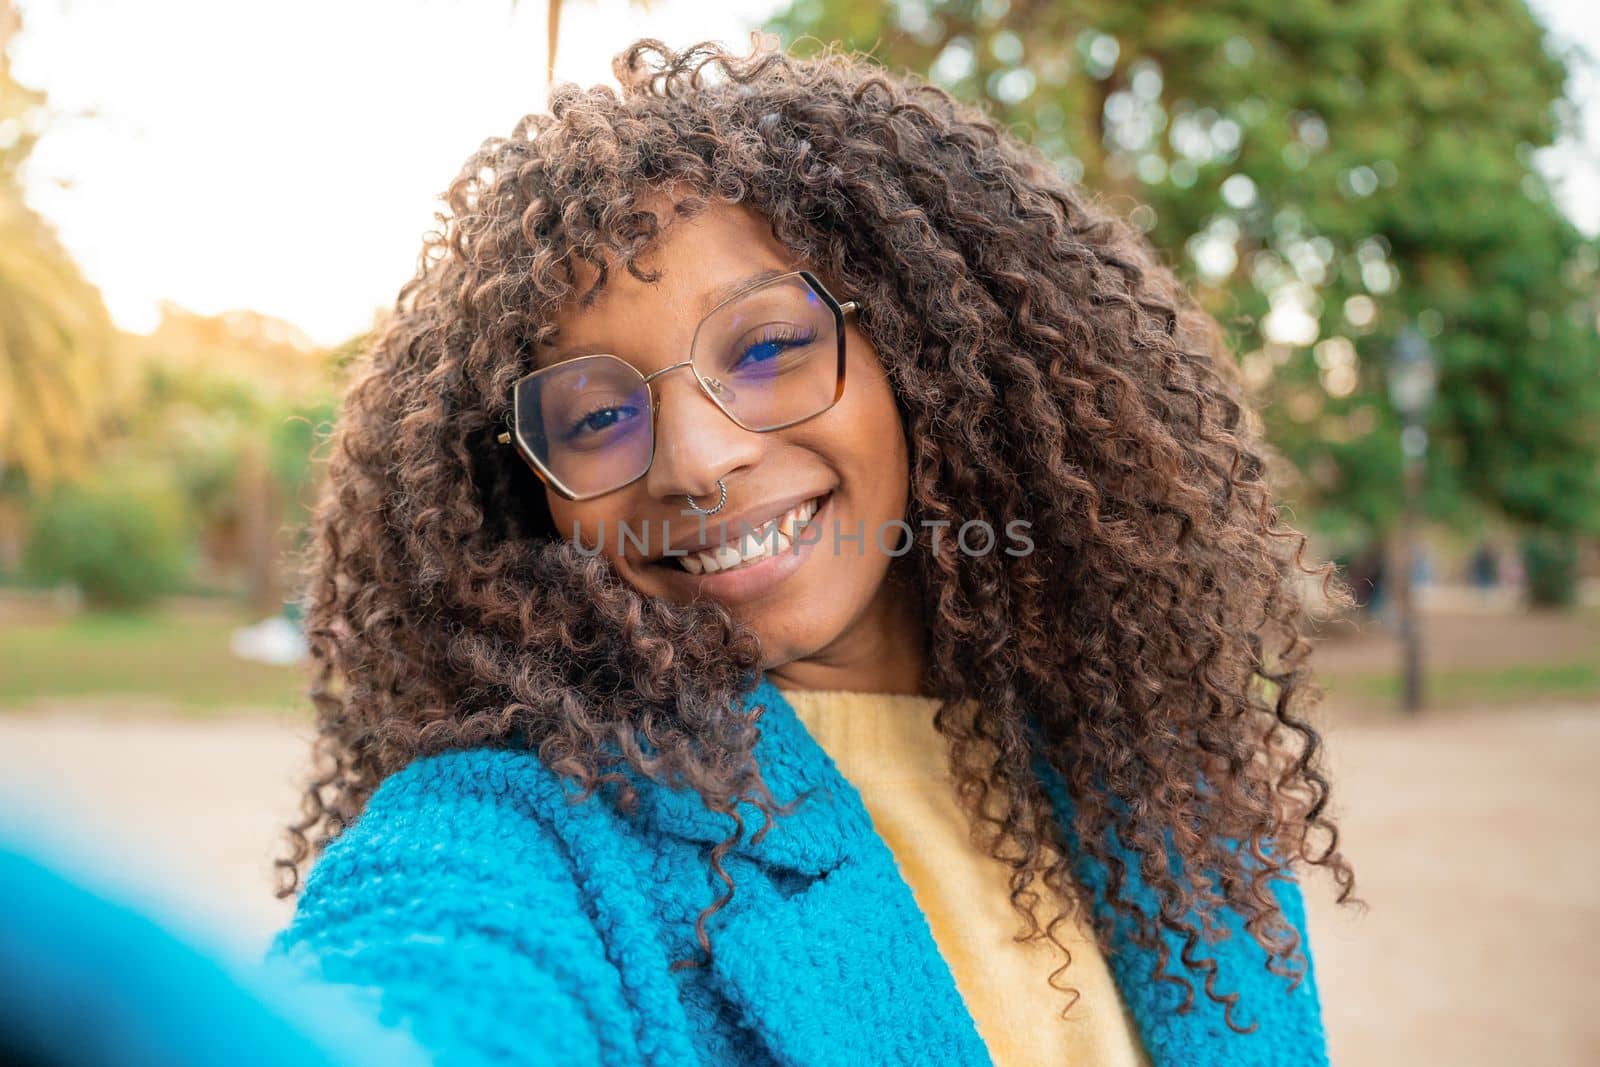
pixel 598 420
pixel 772 346
pixel 760 353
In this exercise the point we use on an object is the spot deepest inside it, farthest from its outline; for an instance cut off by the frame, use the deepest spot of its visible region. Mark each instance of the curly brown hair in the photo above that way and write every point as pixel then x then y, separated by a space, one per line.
pixel 1047 367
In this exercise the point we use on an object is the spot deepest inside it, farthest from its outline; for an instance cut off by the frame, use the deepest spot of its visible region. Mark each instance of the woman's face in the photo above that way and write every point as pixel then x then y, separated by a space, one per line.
pixel 822 607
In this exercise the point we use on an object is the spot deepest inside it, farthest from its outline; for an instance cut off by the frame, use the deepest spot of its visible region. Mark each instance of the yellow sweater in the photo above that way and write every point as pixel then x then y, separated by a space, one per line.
pixel 885 744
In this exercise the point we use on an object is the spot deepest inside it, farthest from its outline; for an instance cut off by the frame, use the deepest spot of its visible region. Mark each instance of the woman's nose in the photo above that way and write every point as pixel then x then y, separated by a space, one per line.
pixel 696 443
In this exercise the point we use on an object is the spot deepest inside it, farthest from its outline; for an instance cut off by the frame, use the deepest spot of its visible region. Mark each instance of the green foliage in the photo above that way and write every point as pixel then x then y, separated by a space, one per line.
pixel 234 407
pixel 1551 561
pixel 121 537
pixel 293 436
pixel 1322 174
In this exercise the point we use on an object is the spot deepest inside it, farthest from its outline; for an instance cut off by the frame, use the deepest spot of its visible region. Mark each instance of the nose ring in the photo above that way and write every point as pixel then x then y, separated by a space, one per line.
pixel 723 499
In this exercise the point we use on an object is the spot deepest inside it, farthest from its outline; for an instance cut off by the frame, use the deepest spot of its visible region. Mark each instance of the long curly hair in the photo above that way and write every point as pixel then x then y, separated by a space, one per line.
pixel 1047 367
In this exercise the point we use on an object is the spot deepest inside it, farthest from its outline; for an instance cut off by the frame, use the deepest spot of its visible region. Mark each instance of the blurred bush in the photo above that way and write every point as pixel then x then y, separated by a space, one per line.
pixel 122 537
pixel 1551 562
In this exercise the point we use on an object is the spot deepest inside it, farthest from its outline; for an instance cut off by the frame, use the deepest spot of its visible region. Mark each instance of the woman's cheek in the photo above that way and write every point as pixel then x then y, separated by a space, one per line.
pixel 586 524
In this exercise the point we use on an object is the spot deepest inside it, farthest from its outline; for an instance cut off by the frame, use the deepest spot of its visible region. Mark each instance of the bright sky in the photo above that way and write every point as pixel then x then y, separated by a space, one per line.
pixel 287 157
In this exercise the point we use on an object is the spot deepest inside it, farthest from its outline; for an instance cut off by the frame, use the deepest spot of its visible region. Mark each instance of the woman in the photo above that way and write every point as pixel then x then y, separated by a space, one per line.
pixel 788 545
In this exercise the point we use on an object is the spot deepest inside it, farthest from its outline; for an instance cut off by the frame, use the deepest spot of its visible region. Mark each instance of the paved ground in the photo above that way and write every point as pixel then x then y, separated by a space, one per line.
pixel 1471 833
pixel 1472 837
pixel 187 807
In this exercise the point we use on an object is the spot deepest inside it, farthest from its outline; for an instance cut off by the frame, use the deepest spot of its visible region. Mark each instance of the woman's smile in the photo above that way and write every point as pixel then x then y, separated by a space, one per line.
pixel 746 561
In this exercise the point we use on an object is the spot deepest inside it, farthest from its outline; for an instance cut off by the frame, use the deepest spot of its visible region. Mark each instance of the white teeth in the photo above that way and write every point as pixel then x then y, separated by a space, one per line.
pixel 755 541
pixel 754 545
pixel 795 517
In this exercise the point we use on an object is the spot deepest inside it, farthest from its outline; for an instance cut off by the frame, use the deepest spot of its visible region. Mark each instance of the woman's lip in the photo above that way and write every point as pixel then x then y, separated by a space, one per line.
pixel 729 528
pixel 754 579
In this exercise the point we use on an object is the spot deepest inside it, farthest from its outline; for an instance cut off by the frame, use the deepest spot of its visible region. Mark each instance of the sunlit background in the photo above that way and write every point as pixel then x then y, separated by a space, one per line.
pixel 1392 207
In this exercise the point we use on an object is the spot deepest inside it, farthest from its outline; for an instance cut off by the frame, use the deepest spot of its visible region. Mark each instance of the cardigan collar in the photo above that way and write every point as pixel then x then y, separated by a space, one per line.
pixel 813 839
pixel 835 891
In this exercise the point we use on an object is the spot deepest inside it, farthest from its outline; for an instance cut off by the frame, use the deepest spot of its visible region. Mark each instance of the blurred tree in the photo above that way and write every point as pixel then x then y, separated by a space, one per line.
pixel 225 406
pixel 232 405
pixel 55 334
pixel 1321 173
pixel 119 536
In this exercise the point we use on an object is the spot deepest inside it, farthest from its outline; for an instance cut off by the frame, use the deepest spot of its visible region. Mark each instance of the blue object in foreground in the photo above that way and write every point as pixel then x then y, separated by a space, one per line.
pixel 89 980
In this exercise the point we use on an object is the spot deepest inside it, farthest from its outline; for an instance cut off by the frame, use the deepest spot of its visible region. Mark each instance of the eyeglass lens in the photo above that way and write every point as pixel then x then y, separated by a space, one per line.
pixel 767 359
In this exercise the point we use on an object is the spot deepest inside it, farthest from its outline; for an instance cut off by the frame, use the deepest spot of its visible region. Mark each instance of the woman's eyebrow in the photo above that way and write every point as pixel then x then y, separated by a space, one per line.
pixel 712 299
pixel 732 289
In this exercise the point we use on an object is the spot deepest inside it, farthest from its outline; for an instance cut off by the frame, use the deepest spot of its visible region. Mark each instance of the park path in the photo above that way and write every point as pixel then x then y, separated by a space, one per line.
pixel 1471 834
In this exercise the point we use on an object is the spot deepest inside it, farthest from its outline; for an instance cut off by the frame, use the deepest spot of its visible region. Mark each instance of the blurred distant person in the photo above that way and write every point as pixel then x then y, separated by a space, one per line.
pixel 1483 568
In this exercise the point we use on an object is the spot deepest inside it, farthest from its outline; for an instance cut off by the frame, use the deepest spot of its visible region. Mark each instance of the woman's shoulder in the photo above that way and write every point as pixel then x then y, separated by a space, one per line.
pixel 466 776
pixel 464 812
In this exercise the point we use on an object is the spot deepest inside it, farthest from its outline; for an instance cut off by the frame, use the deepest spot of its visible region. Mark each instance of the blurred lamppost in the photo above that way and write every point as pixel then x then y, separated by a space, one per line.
pixel 1411 384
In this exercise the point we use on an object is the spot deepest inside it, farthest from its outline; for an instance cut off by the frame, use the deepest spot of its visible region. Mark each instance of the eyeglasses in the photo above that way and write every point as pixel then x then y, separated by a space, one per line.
pixel 769 357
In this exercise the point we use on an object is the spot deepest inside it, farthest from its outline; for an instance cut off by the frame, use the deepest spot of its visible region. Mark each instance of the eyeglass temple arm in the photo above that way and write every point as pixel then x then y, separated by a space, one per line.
pixel 846 308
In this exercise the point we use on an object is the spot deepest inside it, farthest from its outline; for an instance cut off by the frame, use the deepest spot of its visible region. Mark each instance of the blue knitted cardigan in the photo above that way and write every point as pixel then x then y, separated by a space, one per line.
pixel 474 905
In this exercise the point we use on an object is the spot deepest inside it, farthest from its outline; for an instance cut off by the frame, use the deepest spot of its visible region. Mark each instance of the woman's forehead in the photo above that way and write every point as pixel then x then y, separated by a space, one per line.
pixel 697 262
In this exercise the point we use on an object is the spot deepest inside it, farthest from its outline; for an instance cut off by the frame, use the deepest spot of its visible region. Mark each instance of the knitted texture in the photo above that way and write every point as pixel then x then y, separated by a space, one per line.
pixel 480 909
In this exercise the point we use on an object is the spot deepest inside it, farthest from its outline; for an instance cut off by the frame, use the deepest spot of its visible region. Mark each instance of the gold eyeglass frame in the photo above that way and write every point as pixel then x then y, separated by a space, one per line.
pixel 839 309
